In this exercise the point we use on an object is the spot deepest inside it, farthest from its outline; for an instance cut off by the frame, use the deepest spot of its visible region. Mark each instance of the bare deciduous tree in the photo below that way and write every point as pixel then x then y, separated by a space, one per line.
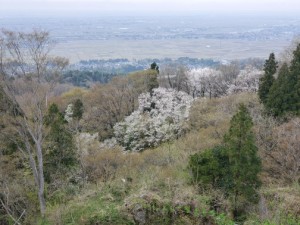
pixel 287 152
pixel 29 75
pixel 176 77
pixel 108 104
pixel 287 55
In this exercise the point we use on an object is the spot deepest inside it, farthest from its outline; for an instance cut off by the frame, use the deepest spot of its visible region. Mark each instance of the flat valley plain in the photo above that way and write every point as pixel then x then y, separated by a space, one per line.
pixel 219 37
pixel 158 49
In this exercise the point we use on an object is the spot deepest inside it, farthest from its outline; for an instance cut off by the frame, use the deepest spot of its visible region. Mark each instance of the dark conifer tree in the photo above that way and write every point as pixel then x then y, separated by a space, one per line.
pixel 232 167
pixel 284 95
pixel 210 168
pixel 294 83
pixel 278 99
pixel 151 78
pixel 244 163
pixel 60 155
pixel 77 109
pixel 154 66
pixel 268 79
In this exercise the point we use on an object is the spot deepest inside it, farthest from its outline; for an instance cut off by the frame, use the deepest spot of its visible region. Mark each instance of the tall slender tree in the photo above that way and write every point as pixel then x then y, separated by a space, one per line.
pixel 294 83
pixel 267 80
pixel 60 155
pixel 277 102
pixel 244 163
pixel 77 109
pixel 284 95
pixel 234 166
pixel 29 75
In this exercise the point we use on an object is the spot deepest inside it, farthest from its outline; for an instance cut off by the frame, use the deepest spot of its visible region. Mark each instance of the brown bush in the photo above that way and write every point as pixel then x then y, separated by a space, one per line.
pixel 105 105
pixel 103 165
pixel 281 151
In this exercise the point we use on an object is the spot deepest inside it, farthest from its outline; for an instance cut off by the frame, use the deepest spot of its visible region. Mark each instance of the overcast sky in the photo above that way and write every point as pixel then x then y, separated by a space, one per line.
pixel 73 6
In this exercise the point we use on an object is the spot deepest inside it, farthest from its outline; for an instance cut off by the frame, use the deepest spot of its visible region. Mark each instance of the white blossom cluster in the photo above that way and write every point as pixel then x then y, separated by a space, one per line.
pixel 207 82
pixel 69 113
pixel 86 141
pixel 247 81
pixel 159 118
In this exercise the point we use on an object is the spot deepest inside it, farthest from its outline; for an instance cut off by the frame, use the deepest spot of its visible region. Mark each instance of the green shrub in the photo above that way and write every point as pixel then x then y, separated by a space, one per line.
pixel 209 167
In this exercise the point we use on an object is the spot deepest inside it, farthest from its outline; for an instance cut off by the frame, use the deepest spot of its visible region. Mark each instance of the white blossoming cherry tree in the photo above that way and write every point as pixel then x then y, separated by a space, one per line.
pixel 160 117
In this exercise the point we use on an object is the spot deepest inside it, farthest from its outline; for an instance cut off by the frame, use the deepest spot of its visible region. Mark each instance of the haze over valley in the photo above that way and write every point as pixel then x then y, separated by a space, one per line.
pixel 219 36
pixel 149 112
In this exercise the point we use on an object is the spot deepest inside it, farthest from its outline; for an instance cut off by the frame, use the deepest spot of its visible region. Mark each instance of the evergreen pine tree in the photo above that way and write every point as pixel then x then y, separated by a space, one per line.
pixel 284 95
pixel 154 66
pixel 151 79
pixel 77 109
pixel 267 80
pixel 294 83
pixel 244 163
pixel 232 167
pixel 60 156
pixel 278 99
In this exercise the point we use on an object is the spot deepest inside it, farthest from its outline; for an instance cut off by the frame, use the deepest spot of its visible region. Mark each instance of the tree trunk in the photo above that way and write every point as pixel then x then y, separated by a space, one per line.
pixel 30 54
pixel 42 201
pixel 41 176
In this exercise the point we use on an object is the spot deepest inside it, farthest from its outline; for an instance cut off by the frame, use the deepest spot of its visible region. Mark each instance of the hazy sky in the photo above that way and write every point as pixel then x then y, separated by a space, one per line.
pixel 73 6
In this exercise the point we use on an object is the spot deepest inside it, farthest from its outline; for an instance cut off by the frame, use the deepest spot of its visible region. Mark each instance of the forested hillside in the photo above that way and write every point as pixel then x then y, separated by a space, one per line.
pixel 172 145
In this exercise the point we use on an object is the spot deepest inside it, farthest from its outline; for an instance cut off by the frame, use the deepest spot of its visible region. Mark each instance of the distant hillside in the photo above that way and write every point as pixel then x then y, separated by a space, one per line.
pixel 87 72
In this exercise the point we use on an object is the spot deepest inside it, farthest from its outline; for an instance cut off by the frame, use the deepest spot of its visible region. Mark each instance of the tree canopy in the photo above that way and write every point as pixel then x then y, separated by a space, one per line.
pixel 283 96
pixel 268 78
pixel 234 166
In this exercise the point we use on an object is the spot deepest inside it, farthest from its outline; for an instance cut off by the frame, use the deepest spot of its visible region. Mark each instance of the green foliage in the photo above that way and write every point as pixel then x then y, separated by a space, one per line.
pixel 233 167
pixel 268 79
pixel 97 210
pixel 294 95
pixel 144 81
pixel 83 78
pixel 270 65
pixel 60 150
pixel 278 219
pixel 161 172
pixel 244 163
pixel 210 167
pixel 154 66
pixel 151 80
pixel 152 209
pixel 8 113
pixel 284 94
pixel 277 103
pixel 77 109
pixel 219 219
pixel 7 105
pixel 113 218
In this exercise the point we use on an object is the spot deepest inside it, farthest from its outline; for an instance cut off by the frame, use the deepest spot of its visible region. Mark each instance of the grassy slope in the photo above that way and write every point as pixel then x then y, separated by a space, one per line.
pixel 158 180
